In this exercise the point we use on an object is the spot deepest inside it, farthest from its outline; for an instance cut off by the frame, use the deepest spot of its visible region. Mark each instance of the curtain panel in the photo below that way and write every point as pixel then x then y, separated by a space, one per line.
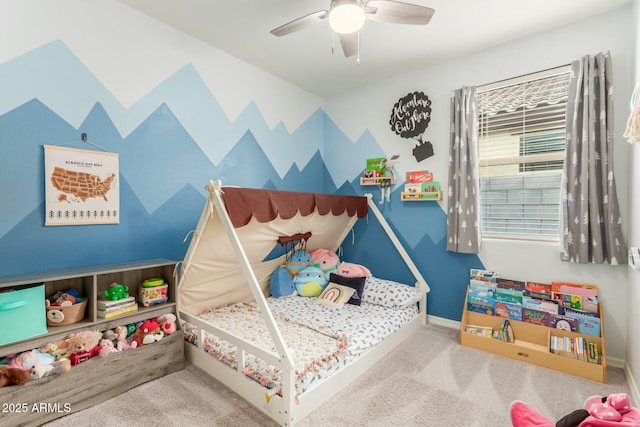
pixel 591 230
pixel 463 227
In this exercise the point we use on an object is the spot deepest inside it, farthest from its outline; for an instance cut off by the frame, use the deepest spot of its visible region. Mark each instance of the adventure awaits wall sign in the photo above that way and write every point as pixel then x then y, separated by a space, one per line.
pixel 410 118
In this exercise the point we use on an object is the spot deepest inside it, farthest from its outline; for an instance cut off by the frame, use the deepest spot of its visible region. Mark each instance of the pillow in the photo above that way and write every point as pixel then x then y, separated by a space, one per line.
pixel 356 283
pixel 281 283
pixel 349 269
pixel 310 282
pixel 335 295
pixel 388 293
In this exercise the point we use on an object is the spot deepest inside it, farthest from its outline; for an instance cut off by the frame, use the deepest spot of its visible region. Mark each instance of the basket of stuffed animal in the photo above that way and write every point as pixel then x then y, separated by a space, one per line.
pixel 65 310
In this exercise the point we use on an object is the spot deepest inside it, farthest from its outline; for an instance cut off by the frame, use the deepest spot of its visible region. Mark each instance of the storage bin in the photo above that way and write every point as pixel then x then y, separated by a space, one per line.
pixel 66 314
pixel 22 313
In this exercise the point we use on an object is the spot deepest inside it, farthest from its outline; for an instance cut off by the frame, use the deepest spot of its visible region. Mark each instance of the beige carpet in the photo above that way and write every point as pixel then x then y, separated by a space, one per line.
pixel 429 380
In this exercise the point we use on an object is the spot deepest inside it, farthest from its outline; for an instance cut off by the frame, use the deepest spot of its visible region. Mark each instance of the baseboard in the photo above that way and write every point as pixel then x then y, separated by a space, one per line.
pixel 441 321
pixel 635 395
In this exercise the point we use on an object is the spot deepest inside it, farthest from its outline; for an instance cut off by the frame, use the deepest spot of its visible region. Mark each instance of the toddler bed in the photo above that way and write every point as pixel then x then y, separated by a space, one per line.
pixel 284 355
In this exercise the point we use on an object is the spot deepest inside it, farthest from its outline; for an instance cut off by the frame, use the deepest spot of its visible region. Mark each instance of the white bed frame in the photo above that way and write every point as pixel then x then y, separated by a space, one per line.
pixel 287 409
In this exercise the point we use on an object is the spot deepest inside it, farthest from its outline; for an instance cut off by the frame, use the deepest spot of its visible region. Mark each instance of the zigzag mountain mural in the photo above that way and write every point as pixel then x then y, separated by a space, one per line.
pixel 170 143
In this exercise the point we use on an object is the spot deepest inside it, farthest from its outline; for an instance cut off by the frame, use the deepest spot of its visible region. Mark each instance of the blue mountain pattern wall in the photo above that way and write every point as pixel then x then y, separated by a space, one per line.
pixel 164 167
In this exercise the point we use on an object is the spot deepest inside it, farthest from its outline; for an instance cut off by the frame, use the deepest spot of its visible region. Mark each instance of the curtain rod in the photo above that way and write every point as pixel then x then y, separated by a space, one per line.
pixel 528 76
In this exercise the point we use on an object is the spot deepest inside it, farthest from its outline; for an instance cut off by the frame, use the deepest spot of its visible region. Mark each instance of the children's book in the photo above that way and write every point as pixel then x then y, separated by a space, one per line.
pixel 483 275
pixel 559 321
pixel 537 317
pixel 587 292
pixel 508 310
pixel 588 324
pixel 476 285
pixel 483 331
pixel 540 305
pixel 480 303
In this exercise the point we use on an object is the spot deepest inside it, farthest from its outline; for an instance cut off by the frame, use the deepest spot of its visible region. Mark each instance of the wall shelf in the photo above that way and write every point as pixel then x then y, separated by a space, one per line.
pixel 421 197
pixel 376 180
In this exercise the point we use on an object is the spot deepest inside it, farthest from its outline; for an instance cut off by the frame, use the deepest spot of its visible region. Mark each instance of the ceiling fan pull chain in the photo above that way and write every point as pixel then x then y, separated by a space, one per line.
pixel 358 58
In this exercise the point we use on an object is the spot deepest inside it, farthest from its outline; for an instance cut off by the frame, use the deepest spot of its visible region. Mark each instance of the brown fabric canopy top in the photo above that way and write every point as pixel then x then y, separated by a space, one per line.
pixel 265 205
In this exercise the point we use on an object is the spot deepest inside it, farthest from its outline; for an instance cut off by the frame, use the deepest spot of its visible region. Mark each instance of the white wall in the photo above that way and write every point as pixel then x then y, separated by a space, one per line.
pixel 633 341
pixel 370 108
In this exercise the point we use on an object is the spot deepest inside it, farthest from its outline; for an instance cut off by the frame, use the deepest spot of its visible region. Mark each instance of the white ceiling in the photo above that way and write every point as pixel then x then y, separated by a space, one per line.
pixel 458 27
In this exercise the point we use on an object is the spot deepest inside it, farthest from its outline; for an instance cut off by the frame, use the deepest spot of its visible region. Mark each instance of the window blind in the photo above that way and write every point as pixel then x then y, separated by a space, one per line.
pixel 521 150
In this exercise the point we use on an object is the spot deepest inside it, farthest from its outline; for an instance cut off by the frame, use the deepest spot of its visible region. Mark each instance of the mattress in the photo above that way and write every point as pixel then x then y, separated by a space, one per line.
pixel 323 339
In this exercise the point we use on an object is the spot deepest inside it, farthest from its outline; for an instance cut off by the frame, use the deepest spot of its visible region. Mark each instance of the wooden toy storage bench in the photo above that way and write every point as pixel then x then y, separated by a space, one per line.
pixel 100 378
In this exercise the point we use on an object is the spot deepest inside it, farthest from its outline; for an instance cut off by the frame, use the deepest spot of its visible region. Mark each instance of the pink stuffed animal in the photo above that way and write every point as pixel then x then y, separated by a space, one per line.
pixel 347 269
pixel 168 323
pixel 325 260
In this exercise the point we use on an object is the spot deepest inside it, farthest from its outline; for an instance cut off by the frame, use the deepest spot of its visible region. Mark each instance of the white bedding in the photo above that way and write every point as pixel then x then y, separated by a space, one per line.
pixel 323 339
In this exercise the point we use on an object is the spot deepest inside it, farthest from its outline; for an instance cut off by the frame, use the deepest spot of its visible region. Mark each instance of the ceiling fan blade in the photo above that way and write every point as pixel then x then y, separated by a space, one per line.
pixel 349 43
pixel 300 23
pixel 397 12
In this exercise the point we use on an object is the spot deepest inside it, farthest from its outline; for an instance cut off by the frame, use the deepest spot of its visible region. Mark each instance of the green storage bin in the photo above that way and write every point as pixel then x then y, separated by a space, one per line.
pixel 22 312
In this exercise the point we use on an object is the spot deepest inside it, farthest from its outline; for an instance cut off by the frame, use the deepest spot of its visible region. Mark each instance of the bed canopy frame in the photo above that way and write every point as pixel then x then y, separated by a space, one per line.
pixel 227 262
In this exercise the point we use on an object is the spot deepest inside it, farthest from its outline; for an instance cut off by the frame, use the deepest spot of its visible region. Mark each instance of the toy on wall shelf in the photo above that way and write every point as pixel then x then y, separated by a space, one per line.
pixel 116 291
pixel 386 179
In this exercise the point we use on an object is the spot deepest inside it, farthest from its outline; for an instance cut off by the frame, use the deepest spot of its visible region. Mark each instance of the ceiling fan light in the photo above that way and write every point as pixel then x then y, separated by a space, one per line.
pixel 346 16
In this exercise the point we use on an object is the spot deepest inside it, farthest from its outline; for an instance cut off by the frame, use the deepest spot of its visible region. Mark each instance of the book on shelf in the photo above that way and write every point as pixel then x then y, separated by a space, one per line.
pixel 104 304
pixel 108 314
pixel 576 348
pixel 484 331
pixel 483 275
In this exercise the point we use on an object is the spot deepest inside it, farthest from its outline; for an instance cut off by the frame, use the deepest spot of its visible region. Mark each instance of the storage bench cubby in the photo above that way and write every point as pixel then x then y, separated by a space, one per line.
pixel 100 378
pixel 532 345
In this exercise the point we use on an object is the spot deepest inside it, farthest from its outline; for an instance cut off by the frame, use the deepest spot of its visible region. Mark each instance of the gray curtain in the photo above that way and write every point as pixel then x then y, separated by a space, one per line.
pixel 463 232
pixel 591 222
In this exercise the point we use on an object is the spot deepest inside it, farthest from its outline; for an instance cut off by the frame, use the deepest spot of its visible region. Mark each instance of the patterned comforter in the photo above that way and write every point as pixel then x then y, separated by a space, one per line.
pixel 322 339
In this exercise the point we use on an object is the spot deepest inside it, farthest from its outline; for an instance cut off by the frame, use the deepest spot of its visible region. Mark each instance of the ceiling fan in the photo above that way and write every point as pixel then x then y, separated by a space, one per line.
pixel 346 17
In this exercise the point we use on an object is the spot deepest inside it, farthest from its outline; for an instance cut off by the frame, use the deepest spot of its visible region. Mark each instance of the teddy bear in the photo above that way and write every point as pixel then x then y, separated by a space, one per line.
pixel 148 332
pixel 10 376
pixel 83 346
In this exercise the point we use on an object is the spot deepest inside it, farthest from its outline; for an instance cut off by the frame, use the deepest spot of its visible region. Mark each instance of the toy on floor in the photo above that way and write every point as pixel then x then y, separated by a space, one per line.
pixel 10 376
pixel 609 411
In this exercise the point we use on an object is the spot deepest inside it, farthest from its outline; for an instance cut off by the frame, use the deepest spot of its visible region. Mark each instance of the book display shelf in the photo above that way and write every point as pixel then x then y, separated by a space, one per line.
pixel 575 353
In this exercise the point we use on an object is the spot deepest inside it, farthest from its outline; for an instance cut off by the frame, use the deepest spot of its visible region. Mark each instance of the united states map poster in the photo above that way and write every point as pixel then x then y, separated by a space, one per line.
pixel 81 186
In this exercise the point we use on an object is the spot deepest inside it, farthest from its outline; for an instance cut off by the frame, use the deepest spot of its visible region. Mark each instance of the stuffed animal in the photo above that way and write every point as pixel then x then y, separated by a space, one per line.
pixel 310 282
pixel 347 269
pixel 607 411
pixel 168 323
pixel 28 359
pixel 83 341
pixel 116 292
pixel 281 283
pixel 56 349
pixel 107 347
pixel 147 333
pixel 58 367
pixel 299 259
pixel 10 376
pixel 325 260
pixel 118 336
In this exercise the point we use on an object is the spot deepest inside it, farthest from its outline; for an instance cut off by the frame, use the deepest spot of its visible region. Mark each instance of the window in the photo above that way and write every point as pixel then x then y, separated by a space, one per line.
pixel 521 151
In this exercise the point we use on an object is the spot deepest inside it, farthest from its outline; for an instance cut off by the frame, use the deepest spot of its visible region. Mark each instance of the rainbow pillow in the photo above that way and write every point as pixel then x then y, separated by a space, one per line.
pixel 335 295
